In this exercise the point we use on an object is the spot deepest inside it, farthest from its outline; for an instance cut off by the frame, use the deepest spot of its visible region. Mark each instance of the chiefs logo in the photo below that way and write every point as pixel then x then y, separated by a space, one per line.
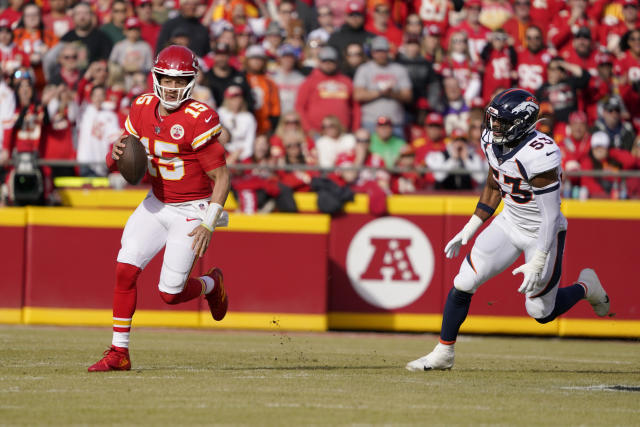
pixel 177 132
pixel 390 262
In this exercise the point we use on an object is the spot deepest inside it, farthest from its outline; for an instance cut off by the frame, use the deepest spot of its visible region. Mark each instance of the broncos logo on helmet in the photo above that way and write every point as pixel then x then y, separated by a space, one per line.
pixel 511 115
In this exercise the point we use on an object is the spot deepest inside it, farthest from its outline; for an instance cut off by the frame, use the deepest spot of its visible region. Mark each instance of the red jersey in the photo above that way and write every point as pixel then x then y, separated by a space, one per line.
pixel 477 37
pixel 462 71
pixel 589 63
pixel 532 68
pixel 181 147
pixel 497 73
pixel 627 67
pixel 433 12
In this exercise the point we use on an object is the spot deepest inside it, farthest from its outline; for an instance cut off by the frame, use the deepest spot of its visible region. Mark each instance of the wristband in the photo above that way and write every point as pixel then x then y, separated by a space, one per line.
pixel 211 216
pixel 488 209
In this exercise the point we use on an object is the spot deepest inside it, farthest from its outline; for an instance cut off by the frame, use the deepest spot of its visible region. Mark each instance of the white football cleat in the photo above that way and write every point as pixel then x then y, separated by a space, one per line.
pixel 595 294
pixel 441 358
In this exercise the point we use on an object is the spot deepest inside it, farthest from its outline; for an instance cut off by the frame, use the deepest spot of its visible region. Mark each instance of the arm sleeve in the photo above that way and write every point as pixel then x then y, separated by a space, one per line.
pixel 211 156
pixel 548 201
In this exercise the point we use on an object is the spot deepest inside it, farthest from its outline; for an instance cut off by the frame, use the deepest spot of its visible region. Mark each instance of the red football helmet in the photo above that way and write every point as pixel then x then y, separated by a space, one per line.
pixel 174 61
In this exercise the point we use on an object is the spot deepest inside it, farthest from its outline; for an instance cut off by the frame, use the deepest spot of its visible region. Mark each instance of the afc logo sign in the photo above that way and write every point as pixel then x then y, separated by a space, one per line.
pixel 390 262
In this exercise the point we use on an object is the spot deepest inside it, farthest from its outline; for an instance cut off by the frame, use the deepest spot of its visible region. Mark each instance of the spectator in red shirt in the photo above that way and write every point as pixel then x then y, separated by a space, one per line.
pixel 459 65
pixel 57 20
pixel 576 142
pixel 381 24
pixel 602 157
pixel 627 68
pixel 517 25
pixel 499 60
pixel 432 140
pixel 326 91
pixel 13 12
pixel 601 86
pixel 149 29
pixel 581 51
pixel 610 35
pixel 566 23
pixel 11 57
pixel 475 32
pixel 532 61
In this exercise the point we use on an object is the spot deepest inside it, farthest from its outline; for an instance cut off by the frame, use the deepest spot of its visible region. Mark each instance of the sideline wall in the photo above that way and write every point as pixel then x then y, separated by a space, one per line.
pixel 294 272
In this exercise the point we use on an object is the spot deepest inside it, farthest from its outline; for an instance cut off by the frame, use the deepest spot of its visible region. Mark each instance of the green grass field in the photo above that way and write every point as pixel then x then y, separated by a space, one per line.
pixel 195 377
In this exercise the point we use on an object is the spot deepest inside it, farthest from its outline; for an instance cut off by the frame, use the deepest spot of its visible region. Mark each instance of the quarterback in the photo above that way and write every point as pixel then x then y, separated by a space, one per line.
pixel 181 211
pixel 525 172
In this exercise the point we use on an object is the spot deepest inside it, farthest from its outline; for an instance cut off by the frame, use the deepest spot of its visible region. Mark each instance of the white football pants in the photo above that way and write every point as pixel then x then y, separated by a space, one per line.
pixel 155 224
pixel 498 247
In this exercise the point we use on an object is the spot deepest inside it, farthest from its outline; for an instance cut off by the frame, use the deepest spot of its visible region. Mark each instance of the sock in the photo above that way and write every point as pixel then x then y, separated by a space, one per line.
pixel 566 298
pixel 192 289
pixel 124 303
pixel 455 311
pixel 209 284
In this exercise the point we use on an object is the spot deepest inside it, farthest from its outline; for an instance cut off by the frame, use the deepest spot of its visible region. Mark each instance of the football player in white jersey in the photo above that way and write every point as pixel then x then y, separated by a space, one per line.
pixel 525 172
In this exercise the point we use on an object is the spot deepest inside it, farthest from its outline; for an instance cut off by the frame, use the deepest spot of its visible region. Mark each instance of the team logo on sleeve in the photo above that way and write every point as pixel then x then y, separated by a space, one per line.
pixel 390 262
pixel 177 132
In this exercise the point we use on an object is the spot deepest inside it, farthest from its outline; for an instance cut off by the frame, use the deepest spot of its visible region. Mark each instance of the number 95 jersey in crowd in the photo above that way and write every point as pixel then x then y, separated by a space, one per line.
pixel 512 170
pixel 181 147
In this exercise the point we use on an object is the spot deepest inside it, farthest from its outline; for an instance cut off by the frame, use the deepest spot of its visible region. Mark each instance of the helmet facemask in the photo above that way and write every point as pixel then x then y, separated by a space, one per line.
pixel 182 93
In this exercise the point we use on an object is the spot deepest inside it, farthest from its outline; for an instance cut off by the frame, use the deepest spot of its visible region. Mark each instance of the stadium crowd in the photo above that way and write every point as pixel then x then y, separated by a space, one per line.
pixel 388 84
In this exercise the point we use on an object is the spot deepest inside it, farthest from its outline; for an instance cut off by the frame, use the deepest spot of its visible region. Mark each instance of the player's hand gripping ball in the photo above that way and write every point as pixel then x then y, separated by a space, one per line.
pixel 132 163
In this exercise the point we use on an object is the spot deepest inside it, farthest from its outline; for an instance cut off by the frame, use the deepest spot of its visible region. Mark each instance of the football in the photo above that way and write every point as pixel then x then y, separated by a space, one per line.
pixel 132 164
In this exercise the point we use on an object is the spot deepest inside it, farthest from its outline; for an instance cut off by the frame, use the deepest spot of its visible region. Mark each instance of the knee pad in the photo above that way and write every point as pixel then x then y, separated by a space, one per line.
pixel 466 278
pixel 537 309
pixel 126 276
pixel 171 282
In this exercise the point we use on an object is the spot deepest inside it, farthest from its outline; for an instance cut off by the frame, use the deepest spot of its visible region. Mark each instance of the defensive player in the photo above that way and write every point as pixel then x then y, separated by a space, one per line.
pixel 181 212
pixel 524 170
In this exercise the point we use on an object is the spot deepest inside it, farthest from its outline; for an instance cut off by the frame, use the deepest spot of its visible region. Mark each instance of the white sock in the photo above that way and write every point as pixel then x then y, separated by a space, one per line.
pixel 208 283
pixel 120 339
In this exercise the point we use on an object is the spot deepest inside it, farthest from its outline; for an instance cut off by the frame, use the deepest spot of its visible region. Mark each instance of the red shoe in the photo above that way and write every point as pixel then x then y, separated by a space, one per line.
pixel 115 359
pixel 217 299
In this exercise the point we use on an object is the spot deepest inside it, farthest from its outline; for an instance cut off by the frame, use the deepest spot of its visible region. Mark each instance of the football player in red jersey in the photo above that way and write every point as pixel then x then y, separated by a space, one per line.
pixel 181 212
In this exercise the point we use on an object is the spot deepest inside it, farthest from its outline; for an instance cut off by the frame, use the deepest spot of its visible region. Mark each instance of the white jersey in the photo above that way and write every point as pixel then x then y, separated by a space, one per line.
pixel 535 154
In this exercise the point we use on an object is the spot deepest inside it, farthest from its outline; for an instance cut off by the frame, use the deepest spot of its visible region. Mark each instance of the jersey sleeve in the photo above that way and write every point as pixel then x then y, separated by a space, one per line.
pixel 132 122
pixel 543 160
pixel 207 128
pixel 211 156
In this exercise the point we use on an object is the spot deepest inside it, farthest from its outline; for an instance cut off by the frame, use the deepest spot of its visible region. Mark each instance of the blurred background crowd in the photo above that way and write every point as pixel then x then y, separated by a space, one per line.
pixel 308 86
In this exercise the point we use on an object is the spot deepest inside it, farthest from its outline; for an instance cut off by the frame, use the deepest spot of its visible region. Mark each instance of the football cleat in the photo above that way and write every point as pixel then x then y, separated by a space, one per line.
pixel 441 358
pixel 595 294
pixel 217 298
pixel 115 359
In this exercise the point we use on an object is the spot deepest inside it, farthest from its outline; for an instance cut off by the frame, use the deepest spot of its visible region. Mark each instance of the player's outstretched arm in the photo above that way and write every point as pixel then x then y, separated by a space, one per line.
pixel 202 233
pixel 489 201
pixel 546 188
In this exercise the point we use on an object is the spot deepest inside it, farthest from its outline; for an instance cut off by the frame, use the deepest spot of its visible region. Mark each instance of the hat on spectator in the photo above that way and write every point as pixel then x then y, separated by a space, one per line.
pixel 422 103
pixel 583 32
pixel 4 23
pixel 600 139
pixel 380 43
pixel 432 30
pixel 256 51
pixel 223 48
pixel 232 90
pixel 603 58
pixel 132 23
pixel 629 3
pixel 328 53
pixel 578 117
pixel 346 158
pixel 613 104
pixel 355 6
pixel 434 119
pixel 383 121
pixel 139 3
pixel 458 134
pixel 274 29
pixel 288 50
